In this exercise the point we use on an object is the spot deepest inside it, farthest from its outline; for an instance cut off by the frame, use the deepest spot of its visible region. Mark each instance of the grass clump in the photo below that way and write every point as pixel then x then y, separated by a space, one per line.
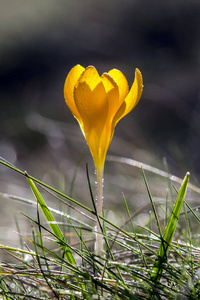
pixel 57 261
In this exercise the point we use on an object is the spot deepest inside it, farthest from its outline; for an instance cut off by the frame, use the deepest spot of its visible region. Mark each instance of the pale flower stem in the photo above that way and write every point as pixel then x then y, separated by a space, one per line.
pixel 99 205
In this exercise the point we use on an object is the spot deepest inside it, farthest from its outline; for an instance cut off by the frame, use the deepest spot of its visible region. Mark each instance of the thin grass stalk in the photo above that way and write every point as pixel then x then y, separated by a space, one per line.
pixel 169 179
pixel 166 207
pixel 53 293
pixel 40 238
pixel 189 239
pixel 192 211
pixel 152 203
pixel 134 232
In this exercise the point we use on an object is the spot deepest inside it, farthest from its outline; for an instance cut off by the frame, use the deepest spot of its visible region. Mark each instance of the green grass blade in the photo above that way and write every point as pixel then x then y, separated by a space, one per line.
pixel 192 211
pixel 169 232
pixel 51 221
pixel 3 162
pixel 146 167
pixel 152 203
pixel 134 232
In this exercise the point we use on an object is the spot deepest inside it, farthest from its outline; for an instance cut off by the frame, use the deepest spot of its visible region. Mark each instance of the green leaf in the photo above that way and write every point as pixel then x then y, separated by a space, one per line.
pixel 52 222
pixel 169 232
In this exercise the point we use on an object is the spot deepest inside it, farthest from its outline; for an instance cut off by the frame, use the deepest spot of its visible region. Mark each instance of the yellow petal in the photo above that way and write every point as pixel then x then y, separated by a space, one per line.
pixel 135 93
pixel 90 76
pixel 93 108
pixel 108 82
pixel 70 83
pixel 132 98
pixel 122 83
pixel 90 98
pixel 112 92
pixel 106 138
pixel 91 104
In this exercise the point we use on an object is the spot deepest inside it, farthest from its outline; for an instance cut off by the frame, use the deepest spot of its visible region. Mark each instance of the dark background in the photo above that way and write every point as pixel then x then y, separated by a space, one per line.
pixel 40 41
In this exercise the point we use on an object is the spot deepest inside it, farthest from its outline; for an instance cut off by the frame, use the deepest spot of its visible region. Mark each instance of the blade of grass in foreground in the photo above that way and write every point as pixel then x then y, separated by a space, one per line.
pixel 169 232
pixel 52 223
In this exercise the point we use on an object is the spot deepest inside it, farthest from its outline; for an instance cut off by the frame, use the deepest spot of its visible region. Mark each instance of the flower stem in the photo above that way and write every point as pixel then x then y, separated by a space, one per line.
pixel 99 236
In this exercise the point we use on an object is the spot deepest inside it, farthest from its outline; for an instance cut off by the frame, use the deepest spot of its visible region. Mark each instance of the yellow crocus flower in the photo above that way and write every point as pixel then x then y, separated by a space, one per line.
pixel 98 103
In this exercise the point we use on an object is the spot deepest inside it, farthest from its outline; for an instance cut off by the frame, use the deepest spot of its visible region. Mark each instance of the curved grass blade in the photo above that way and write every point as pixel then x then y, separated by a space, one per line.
pixel 51 221
pixel 169 232
pixel 149 168
pixel 24 173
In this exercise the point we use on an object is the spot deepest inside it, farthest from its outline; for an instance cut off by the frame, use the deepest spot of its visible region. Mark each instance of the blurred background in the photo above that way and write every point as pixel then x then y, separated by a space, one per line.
pixel 40 41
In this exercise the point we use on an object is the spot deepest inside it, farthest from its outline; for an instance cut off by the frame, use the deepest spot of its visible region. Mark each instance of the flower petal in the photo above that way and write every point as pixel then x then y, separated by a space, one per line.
pixel 132 98
pixel 93 109
pixel 112 91
pixel 90 76
pixel 122 83
pixel 135 93
pixel 91 104
pixel 70 83
pixel 90 98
